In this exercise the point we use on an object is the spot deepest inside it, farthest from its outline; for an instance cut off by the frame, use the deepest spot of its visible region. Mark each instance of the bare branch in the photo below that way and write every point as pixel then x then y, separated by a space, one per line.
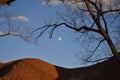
pixel 98 46
pixel 94 4
pixel 37 29
pixel 110 11
pixel 80 29
pixel 41 33
pixel 94 51
pixel 94 61
pixel 105 24
pixel 54 26
pixel 52 31
pixel 90 10
pixel 118 15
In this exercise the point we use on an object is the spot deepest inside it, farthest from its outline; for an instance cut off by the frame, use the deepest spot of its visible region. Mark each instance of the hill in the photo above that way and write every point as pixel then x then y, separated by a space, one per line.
pixel 28 69
pixel 106 70
pixel 36 69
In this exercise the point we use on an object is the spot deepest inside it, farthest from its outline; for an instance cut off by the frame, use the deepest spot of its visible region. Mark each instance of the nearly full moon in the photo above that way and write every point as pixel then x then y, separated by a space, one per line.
pixel 59 38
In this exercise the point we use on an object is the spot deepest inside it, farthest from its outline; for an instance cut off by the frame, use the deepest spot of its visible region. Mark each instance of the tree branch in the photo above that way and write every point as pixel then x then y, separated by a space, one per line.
pixel 105 24
pixel 108 11
pixel 94 4
pixel 93 53
pixel 43 29
pixel 94 61
pixel 81 28
pixel 98 45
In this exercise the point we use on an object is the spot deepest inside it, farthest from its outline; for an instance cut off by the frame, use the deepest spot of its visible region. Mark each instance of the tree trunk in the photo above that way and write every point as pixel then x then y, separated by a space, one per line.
pixel 112 46
pixel 103 32
pixel 109 41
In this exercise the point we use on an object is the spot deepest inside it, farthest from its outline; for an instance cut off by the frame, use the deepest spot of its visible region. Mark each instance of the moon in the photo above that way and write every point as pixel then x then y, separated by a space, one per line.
pixel 59 38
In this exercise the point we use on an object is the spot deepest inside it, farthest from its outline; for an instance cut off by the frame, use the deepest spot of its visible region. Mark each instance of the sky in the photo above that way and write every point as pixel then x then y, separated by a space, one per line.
pixel 60 50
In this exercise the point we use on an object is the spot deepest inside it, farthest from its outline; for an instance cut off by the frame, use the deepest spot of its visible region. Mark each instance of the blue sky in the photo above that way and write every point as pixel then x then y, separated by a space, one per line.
pixel 61 53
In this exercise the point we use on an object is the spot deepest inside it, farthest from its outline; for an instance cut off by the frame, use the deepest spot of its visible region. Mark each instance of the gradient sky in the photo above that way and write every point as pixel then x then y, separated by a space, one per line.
pixel 61 53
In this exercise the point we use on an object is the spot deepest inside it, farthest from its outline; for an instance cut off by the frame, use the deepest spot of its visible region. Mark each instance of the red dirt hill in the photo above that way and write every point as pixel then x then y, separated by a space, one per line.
pixel 28 69
pixel 35 69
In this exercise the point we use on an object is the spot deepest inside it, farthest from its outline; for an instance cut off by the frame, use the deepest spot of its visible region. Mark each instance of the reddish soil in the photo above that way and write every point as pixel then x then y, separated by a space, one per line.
pixel 28 69
pixel 35 69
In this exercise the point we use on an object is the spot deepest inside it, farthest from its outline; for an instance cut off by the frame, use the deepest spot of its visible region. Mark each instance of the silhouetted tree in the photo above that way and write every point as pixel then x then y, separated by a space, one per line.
pixel 99 18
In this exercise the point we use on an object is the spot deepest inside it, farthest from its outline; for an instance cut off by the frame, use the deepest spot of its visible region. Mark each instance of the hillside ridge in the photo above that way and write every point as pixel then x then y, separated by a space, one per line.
pixel 36 69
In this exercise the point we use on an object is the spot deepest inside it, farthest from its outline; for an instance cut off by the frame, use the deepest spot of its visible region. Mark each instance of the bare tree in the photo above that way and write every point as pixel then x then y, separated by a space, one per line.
pixel 11 25
pixel 97 20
